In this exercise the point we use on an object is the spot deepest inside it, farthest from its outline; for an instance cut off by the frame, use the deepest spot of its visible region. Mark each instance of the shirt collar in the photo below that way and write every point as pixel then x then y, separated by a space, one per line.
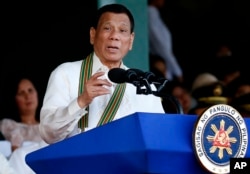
pixel 98 66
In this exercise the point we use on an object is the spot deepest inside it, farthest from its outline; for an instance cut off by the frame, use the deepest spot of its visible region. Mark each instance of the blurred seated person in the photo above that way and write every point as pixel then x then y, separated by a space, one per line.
pixel 242 104
pixel 22 127
pixel 242 85
pixel 182 94
pixel 157 65
pixel 159 68
pixel 207 90
pixel 240 99
pixel 226 68
pixel 223 50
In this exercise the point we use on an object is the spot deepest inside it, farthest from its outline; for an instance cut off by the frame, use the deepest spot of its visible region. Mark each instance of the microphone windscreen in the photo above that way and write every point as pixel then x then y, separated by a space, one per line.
pixel 117 75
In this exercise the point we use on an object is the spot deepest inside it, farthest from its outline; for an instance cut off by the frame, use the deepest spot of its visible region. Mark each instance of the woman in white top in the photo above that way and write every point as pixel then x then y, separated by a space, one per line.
pixel 24 127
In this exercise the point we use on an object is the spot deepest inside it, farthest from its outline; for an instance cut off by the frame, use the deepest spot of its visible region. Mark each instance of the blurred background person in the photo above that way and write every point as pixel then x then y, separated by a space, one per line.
pixel 157 65
pixel 181 92
pixel 239 86
pixel 225 65
pixel 160 40
pixel 22 127
pixel 242 104
pixel 174 89
pixel 223 50
pixel 207 90
pixel 240 94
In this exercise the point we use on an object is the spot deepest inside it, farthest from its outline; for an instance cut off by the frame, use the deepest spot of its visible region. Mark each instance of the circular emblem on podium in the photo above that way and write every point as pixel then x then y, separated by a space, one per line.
pixel 220 133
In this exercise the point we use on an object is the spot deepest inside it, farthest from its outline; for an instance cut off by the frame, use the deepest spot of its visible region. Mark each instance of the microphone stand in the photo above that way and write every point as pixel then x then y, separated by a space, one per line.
pixel 143 82
pixel 172 99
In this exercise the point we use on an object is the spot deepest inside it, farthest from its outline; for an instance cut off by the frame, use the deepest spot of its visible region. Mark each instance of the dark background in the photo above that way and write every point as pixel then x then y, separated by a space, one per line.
pixel 200 27
pixel 37 36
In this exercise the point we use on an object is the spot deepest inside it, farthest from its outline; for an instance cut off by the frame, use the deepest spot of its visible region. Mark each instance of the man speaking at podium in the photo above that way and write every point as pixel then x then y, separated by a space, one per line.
pixel 79 95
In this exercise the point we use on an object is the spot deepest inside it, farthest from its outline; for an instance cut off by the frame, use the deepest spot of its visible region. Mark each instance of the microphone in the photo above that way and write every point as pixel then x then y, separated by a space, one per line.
pixel 132 75
pixel 118 75
pixel 137 78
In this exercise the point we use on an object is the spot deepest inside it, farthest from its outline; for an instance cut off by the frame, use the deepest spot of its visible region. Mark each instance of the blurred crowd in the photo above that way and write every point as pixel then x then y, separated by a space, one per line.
pixel 225 83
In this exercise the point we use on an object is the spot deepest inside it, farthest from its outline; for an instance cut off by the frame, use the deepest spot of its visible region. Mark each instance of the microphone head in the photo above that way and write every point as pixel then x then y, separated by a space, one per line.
pixel 117 75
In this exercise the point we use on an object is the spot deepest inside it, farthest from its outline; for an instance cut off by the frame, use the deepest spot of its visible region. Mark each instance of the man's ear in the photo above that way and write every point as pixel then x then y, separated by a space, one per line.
pixel 92 35
pixel 132 36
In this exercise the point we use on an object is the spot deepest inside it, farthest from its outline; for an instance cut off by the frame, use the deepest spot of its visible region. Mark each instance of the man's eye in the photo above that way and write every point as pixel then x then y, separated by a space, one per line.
pixel 123 30
pixel 106 28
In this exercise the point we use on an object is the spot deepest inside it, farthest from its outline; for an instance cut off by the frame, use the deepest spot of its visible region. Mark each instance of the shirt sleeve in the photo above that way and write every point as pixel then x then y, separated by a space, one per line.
pixel 60 112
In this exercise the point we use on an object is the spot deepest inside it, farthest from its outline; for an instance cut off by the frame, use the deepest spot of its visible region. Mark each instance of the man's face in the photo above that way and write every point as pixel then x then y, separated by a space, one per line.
pixel 113 38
